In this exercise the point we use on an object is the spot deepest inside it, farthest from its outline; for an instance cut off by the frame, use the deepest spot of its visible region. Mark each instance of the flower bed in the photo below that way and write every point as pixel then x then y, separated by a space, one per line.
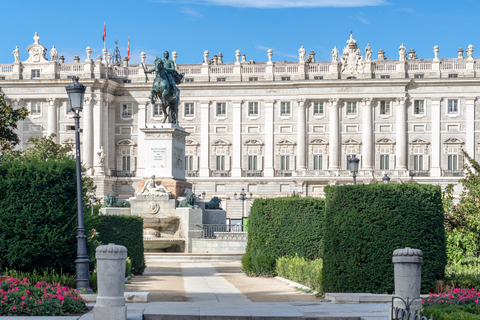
pixel 457 304
pixel 20 297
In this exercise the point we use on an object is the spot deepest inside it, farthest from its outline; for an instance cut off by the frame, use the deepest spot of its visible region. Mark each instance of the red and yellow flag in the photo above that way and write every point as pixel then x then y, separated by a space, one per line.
pixel 104 32
pixel 128 49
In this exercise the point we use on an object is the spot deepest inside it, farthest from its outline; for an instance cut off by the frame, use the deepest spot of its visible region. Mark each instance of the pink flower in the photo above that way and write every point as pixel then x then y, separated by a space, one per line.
pixel 23 303
pixel 14 307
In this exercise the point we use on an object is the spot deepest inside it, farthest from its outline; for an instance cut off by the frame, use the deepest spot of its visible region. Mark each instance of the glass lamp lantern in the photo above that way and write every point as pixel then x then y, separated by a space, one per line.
pixel 76 92
pixel 354 161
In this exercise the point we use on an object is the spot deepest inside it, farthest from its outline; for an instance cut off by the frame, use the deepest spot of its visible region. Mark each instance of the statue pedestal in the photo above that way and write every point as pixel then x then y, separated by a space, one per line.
pixel 165 151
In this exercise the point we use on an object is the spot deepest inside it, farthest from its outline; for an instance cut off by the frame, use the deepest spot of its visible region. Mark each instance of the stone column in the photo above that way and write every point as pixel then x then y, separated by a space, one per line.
pixel 111 281
pixel 16 105
pixel 470 127
pixel 98 127
pixel 52 118
pixel 301 136
pixel 436 169
pixel 269 170
pixel 88 134
pixel 401 135
pixel 142 111
pixel 367 135
pixel 408 277
pixel 237 139
pixel 205 139
pixel 334 136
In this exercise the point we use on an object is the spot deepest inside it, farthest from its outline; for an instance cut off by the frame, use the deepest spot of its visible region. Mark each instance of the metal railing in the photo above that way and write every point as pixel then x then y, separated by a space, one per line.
pixel 220 173
pixel 419 173
pixel 121 173
pixel 211 231
pixel 283 173
pixel 191 173
pixel 252 173
pixel 397 313
pixel 453 173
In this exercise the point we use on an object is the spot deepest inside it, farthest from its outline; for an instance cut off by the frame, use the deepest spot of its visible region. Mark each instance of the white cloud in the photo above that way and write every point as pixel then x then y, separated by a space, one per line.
pixel 191 12
pixel 362 20
pixel 284 3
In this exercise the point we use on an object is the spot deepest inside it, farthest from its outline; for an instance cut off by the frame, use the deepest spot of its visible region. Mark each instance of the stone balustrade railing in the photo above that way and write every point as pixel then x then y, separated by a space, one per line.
pixel 441 68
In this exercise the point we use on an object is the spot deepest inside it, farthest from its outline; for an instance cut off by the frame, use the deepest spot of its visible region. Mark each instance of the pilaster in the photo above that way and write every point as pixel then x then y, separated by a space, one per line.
pixel 436 169
pixel 367 135
pixel 88 132
pixel 98 125
pixel 237 139
pixel 142 109
pixel 470 127
pixel 401 135
pixel 269 170
pixel 301 135
pixel 52 119
pixel 205 139
pixel 334 136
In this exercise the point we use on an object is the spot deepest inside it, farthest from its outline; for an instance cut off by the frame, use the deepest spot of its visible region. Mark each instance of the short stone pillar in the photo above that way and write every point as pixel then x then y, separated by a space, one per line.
pixel 408 277
pixel 111 280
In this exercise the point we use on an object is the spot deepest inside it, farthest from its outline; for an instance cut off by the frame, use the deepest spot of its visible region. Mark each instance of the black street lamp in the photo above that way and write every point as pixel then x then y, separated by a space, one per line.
pixel 76 91
pixel 242 198
pixel 92 201
pixel 353 161
pixel 386 179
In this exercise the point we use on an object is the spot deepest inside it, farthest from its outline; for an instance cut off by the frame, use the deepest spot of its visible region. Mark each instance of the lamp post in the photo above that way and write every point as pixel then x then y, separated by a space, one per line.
pixel 76 91
pixel 243 197
pixel 386 179
pixel 92 201
pixel 354 167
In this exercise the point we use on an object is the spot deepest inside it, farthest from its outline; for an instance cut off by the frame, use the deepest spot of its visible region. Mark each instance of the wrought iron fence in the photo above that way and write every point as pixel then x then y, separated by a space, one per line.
pixel 453 173
pixel 252 173
pixel 397 313
pixel 283 173
pixel 419 173
pixel 121 173
pixel 220 173
pixel 191 173
pixel 214 231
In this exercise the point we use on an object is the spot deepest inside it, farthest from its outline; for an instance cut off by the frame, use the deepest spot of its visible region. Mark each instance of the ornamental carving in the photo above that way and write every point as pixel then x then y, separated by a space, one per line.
pixel 37 51
pixel 126 142
pixel 158 136
pixel 352 61
pixel 178 159
pixel 318 141
pixel 153 207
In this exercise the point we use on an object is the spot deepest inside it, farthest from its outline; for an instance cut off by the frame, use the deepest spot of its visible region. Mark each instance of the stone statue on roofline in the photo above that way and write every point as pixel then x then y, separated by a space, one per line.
pixel 368 53
pixel 16 54
pixel 53 54
pixel 402 52
pixel 301 54
pixel 335 54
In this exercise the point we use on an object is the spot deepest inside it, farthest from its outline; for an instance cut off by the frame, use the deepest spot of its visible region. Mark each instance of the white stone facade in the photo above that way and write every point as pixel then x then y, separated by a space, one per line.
pixel 273 128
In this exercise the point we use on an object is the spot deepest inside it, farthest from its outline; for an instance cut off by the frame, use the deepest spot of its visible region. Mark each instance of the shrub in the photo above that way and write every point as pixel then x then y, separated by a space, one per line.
pixel 453 305
pixel 364 224
pixel 43 299
pixel 126 231
pixel 281 227
pixel 464 275
pixel 38 214
pixel 306 272
pixel 46 275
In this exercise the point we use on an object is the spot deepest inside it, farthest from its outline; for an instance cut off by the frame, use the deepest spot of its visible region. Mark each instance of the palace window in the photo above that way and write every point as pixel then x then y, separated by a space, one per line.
pixel 189 79
pixel 221 79
pixel 418 162
pixel 453 162
pixel 36 108
pixel 285 162
pixel 285 109
pixel 384 162
pixel 453 76
pixel 252 162
pixel 285 78
pixel 351 107
pixel 157 112
pixel 220 163
pixel 126 160
pixel 317 162
pixel 383 76
pixel 36 74
pixel 452 106
pixel 189 110
pixel 318 108
pixel 189 163
pixel 348 161
pixel 253 79
pixel 221 109
pixel 418 107
pixel 418 76
pixel 384 107
pixel 318 78
pixel 253 108
pixel 127 110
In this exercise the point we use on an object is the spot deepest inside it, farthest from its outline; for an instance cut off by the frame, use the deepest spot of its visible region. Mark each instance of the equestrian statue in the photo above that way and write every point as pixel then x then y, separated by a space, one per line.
pixel 165 87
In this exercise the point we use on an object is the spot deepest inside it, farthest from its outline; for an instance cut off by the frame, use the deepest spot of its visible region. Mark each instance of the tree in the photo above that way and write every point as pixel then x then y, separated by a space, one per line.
pixel 8 124
pixel 462 219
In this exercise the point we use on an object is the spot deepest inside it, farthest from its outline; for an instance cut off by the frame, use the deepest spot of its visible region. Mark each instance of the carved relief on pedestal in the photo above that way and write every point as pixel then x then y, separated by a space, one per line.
pixel 37 51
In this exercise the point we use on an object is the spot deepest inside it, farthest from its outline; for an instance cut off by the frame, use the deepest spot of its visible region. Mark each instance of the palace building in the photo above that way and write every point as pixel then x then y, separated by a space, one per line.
pixel 273 128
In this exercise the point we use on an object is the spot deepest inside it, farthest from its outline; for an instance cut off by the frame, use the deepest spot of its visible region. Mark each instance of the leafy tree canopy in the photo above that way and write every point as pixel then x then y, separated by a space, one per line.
pixel 8 124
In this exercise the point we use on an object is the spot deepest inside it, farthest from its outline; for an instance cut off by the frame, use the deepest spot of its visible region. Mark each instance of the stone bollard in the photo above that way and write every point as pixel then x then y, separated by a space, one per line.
pixel 111 280
pixel 408 277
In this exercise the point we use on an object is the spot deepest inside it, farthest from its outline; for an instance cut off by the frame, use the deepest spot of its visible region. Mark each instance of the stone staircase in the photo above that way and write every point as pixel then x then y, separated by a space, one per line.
pixel 158 257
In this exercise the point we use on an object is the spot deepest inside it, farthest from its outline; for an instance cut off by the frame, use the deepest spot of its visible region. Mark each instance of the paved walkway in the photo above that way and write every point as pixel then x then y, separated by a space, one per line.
pixel 221 291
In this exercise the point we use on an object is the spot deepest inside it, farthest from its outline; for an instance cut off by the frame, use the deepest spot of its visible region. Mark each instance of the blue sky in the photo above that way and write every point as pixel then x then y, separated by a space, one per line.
pixel 253 26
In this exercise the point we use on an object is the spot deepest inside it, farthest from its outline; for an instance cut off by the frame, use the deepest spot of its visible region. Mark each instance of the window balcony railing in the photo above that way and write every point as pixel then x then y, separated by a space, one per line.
pixel 419 173
pixel 122 173
pixel 453 173
pixel 191 173
pixel 317 173
pixel 283 173
pixel 252 173
pixel 220 173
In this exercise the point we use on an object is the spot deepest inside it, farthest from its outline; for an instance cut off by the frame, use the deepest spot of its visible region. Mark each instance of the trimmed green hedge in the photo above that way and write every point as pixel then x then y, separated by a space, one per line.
pixel 364 224
pixel 126 231
pixel 38 215
pixel 282 227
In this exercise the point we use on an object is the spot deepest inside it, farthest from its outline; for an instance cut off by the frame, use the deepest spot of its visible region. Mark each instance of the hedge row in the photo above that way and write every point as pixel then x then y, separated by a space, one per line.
pixel 282 227
pixel 364 224
pixel 355 232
